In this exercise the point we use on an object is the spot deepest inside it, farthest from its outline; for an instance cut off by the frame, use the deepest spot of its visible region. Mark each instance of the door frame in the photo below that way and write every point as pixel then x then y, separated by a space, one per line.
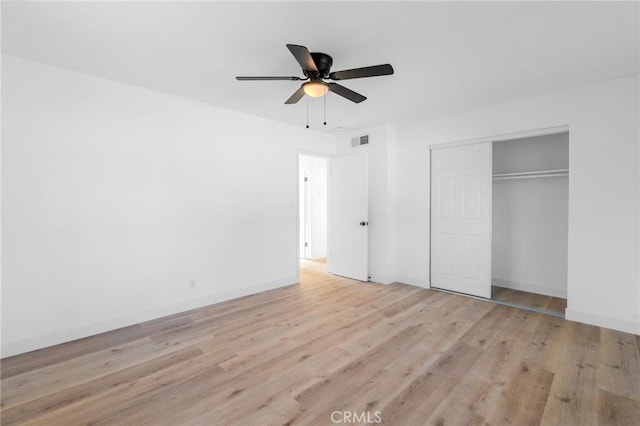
pixel 303 213
pixel 327 157
pixel 493 139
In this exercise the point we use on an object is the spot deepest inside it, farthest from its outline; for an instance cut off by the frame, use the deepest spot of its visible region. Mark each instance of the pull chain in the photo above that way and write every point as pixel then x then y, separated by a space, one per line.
pixel 325 110
pixel 307 112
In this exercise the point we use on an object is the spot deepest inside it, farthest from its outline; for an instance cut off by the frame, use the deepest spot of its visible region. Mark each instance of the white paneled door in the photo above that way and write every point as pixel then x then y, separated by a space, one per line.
pixel 461 218
pixel 348 217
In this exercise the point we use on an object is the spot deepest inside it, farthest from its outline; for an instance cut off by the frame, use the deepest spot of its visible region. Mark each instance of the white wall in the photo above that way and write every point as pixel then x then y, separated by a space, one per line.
pixel 530 216
pixel 315 169
pixel 604 202
pixel 114 198
pixel 382 204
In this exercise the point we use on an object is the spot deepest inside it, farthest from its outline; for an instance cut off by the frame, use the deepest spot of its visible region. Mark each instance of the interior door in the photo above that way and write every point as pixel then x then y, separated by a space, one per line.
pixel 348 217
pixel 461 219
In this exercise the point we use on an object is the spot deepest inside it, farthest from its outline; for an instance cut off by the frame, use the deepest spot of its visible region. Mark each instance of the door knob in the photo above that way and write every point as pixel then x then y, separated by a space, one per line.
pixel 363 223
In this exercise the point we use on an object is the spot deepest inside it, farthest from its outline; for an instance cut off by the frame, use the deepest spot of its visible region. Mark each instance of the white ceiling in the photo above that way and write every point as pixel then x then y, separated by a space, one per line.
pixel 448 56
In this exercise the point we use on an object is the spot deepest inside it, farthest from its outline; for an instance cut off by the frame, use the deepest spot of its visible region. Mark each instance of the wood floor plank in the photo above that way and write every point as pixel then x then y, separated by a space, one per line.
pixel 618 410
pixel 619 367
pixel 42 358
pixel 50 402
pixel 257 370
pixel 415 403
pixel 327 327
pixel 524 396
pixel 450 332
pixel 363 339
pixel 369 397
pixel 295 354
pixel 28 362
pixel 574 392
pixel 34 384
pixel 122 402
pixel 322 396
pixel 482 388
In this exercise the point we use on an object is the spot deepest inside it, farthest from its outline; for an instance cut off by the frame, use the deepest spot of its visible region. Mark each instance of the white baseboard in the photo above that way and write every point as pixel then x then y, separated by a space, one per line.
pixel 530 288
pixel 381 279
pixel 418 282
pixel 606 322
pixel 61 336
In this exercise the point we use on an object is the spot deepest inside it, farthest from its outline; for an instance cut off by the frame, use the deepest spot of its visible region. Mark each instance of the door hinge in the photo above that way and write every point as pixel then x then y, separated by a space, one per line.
pixel 306 244
pixel 306 179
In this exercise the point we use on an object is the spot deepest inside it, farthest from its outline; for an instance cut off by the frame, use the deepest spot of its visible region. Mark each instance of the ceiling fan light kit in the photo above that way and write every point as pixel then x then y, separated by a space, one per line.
pixel 315 89
pixel 316 67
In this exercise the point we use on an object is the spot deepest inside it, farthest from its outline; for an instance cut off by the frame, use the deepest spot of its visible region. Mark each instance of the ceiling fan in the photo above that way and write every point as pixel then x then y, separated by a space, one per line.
pixel 316 67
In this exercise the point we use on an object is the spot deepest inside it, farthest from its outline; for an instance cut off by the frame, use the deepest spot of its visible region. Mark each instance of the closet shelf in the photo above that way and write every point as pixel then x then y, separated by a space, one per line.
pixel 531 175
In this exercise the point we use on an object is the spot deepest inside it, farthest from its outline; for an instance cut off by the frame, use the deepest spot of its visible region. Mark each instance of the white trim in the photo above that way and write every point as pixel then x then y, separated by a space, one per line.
pixel 381 279
pixel 427 284
pixel 42 341
pixel 309 153
pixel 504 137
pixel 530 288
pixel 625 326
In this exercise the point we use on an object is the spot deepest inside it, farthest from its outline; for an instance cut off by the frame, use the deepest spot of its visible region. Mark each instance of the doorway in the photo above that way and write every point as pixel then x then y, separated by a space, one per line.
pixel 313 213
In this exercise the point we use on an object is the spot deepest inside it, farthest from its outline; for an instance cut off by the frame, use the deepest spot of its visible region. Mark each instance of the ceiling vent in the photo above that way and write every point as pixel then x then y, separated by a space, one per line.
pixel 360 140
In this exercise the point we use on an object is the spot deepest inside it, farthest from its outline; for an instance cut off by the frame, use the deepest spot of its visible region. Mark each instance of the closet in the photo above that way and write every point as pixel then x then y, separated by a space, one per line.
pixel 499 216
pixel 530 214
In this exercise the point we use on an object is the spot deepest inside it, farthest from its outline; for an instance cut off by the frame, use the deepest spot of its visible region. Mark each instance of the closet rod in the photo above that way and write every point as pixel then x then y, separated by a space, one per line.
pixel 535 174
pixel 529 176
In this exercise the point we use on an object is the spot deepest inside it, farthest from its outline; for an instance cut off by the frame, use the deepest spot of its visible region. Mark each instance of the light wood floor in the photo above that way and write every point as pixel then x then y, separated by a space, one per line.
pixel 531 300
pixel 296 355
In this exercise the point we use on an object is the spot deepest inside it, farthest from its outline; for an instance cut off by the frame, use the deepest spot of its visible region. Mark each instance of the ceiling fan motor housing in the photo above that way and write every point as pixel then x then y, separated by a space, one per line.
pixel 323 63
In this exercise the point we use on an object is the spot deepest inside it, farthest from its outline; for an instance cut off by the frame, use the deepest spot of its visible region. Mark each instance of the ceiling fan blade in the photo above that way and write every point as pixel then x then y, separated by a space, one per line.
pixel 372 71
pixel 346 93
pixel 297 95
pixel 303 57
pixel 267 78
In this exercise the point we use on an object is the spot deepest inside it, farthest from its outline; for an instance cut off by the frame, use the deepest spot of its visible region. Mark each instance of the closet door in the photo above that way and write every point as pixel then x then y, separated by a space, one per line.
pixel 461 219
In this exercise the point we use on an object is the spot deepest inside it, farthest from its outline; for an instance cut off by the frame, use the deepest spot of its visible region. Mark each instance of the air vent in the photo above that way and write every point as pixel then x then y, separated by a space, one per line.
pixel 360 140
